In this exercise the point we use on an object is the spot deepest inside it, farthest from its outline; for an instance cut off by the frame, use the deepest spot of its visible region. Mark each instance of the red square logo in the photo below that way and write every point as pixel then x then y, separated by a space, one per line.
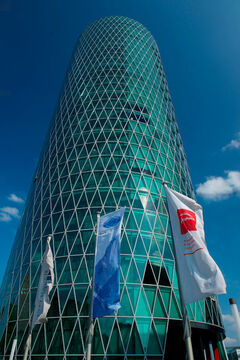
pixel 187 220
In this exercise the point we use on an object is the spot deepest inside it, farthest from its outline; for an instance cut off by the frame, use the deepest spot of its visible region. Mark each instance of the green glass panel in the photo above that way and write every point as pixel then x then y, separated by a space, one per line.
pixel 81 293
pixel 139 248
pixel 86 236
pixel 154 250
pixel 153 342
pixel 177 296
pixel 81 202
pixel 125 262
pixel 59 223
pixel 143 328
pixel 96 201
pixel 133 276
pixel 66 274
pixel 60 262
pixel 97 347
pixel 67 185
pixel 63 294
pixel 158 228
pixel 142 307
pixel 73 224
pixel 68 326
pixel 36 251
pixel 132 238
pixel 77 247
pixel 115 344
pixel 110 201
pixel 117 195
pixel 146 240
pixel 82 275
pixel 145 226
pixel 159 310
pixel 134 345
pixel 38 346
pixel 133 291
pixel 87 222
pixel 56 204
pixel 131 224
pixel 190 311
pixel 199 314
pixel 106 325
pixel 71 236
pixel 169 266
pixel 70 307
pixel 125 309
pixel 70 203
pixel 141 264
pixel 62 249
pixel 56 344
pixel 125 248
pixel 125 329
pixel 150 292
pixel 174 311
pixel 54 308
pixel 167 252
pixel 161 326
pixel 175 280
pixel 166 297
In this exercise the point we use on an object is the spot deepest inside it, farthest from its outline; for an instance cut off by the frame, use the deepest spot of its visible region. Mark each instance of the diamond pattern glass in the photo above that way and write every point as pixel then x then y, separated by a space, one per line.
pixel 112 141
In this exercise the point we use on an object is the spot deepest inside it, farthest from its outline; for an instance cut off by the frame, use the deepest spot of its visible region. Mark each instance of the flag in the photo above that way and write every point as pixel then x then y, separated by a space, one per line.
pixel 45 285
pixel 199 274
pixel 106 291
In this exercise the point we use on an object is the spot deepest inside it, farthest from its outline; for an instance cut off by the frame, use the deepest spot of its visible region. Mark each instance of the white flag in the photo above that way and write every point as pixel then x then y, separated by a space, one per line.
pixel 199 274
pixel 45 285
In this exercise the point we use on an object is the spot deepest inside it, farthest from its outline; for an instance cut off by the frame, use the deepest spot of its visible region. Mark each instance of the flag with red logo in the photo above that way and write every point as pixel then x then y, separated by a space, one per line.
pixel 199 274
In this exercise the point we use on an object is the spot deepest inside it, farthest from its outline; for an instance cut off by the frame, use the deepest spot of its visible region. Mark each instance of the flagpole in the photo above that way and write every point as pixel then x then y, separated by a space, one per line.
pixel 186 322
pixel 32 323
pixel 91 326
pixel 28 345
pixel 14 344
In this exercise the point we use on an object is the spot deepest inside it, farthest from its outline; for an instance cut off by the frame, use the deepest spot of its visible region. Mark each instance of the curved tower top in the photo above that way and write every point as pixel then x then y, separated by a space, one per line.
pixel 112 142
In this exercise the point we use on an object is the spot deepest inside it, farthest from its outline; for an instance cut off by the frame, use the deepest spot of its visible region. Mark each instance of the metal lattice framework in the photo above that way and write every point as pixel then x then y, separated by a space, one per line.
pixel 112 141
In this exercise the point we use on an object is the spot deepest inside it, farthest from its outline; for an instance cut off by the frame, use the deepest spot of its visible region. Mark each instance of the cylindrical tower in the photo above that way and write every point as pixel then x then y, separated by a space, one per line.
pixel 235 314
pixel 112 141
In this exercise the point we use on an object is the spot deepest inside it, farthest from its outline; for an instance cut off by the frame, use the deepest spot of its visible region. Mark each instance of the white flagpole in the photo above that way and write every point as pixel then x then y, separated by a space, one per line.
pixel 14 344
pixel 186 322
pixel 91 327
pixel 28 345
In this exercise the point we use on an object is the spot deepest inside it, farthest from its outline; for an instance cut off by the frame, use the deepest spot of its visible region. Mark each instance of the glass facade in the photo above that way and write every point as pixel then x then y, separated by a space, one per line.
pixel 112 141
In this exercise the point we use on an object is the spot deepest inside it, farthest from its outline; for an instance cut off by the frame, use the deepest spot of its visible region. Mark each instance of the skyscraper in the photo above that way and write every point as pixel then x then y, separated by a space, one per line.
pixel 112 142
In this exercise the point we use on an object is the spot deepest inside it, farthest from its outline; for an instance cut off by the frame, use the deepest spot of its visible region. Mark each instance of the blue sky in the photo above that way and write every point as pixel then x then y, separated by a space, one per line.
pixel 199 46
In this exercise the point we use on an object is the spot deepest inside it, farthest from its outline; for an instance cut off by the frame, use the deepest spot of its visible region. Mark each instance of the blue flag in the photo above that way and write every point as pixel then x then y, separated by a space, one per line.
pixel 106 293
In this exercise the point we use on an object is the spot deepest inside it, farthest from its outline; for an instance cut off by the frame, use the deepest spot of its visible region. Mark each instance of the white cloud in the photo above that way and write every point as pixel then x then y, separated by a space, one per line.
pixel 217 187
pixel 5 217
pixel 12 211
pixel 228 318
pixel 234 144
pixel 15 198
pixel 230 341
